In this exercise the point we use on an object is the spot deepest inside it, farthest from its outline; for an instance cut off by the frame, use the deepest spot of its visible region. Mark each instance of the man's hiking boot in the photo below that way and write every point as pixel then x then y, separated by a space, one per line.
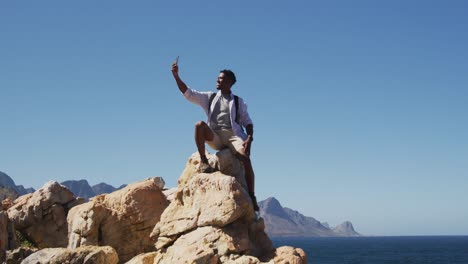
pixel 254 202
pixel 205 168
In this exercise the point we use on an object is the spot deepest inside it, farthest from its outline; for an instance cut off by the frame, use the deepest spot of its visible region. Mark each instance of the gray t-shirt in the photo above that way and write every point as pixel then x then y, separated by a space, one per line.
pixel 221 118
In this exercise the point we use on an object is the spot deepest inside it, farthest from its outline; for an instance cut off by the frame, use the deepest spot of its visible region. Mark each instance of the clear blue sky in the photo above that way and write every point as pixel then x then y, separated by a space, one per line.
pixel 360 107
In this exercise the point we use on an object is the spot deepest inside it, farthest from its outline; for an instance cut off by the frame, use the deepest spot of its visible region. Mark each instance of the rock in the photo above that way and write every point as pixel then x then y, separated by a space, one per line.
pixel 290 255
pixel 123 219
pixel 223 161
pixel 145 258
pixel 8 238
pixel 211 219
pixel 82 255
pixel 170 194
pixel 207 199
pixel 41 217
pixel 16 256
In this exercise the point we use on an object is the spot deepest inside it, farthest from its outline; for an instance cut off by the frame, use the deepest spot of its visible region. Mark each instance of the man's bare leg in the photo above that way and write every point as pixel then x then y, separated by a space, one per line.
pixel 203 133
pixel 249 177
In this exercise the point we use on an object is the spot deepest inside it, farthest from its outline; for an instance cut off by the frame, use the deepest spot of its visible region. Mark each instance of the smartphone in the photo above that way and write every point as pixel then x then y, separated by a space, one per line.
pixel 177 60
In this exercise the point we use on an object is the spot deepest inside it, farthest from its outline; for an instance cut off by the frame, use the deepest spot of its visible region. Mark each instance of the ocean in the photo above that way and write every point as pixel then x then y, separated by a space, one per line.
pixel 382 250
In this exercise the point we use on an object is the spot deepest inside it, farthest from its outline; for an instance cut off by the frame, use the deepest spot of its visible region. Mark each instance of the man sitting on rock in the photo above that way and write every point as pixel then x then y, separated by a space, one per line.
pixel 227 115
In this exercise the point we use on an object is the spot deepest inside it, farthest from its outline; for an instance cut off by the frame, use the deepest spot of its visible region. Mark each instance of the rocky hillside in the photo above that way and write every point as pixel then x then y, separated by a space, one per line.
pixel 281 221
pixel 208 218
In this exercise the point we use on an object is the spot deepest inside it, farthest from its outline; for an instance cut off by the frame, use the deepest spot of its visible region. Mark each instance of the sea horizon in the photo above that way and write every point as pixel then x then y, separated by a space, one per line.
pixel 381 249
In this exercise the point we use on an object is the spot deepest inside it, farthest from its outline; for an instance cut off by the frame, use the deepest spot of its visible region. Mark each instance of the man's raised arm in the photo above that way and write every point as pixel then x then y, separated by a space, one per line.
pixel 175 72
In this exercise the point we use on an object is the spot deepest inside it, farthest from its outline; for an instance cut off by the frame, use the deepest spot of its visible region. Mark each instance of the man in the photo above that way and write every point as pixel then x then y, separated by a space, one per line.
pixel 225 124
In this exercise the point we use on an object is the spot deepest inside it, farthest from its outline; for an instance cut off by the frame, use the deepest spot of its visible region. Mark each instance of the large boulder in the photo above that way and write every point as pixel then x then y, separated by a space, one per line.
pixel 123 219
pixel 82 255
pixel 223 161
pixel 41 217
pixel 211 220
pixel 207 199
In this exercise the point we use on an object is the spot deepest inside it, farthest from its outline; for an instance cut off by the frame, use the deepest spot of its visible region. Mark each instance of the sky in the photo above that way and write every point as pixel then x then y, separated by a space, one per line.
pixel 359 107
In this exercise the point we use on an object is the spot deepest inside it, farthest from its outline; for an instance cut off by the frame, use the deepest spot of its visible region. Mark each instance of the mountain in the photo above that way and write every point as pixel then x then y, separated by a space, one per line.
pixel 82 188
pixel 282 221
pixel 102 187
pixel 346 229
pixel 8 188
pixel 6 181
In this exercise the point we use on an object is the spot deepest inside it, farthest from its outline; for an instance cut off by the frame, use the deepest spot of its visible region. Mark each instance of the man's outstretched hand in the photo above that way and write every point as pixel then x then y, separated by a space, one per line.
pixel 175 68
pixel 175 71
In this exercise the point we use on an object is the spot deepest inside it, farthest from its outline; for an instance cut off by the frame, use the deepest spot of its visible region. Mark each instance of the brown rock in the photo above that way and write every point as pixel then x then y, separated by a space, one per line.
pixel 207 199
pixel 41 216
pixel 290 255
pixel 211 219
pixel 123 219
pixel 145 258
pixel 82 255
pixel 223 161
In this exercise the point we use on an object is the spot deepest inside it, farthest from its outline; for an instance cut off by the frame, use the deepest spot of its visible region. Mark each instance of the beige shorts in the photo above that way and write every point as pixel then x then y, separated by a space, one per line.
pixel 226 138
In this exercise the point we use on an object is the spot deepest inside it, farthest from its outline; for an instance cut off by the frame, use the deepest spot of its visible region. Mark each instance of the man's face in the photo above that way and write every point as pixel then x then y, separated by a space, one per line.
pixel 223 83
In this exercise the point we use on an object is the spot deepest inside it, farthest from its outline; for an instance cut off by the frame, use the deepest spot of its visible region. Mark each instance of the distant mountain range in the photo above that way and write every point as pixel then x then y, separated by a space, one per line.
pixel 279 220
pixel 8 188
pixel 82 188
pixel 282 221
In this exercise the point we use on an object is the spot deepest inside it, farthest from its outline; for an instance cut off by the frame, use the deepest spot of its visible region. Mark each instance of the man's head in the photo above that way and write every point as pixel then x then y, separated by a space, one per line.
pixel 226 79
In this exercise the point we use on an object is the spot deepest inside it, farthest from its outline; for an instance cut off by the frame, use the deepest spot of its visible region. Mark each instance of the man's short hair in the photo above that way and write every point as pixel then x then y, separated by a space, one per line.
pixel 230 75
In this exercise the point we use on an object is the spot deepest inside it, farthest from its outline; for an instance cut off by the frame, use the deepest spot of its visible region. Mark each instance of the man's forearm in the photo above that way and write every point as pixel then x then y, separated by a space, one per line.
pixel 182 86
pixel 250 131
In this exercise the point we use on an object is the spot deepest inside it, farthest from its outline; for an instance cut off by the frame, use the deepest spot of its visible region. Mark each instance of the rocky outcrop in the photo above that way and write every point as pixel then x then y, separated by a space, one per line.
pixel 123 219
pixel 223 161
pixel 41 217
pixel 211 219
pixel 208 218
pixel 82 255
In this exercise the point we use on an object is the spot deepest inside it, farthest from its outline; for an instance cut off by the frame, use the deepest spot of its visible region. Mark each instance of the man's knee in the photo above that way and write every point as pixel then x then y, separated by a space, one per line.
pixel 200 124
